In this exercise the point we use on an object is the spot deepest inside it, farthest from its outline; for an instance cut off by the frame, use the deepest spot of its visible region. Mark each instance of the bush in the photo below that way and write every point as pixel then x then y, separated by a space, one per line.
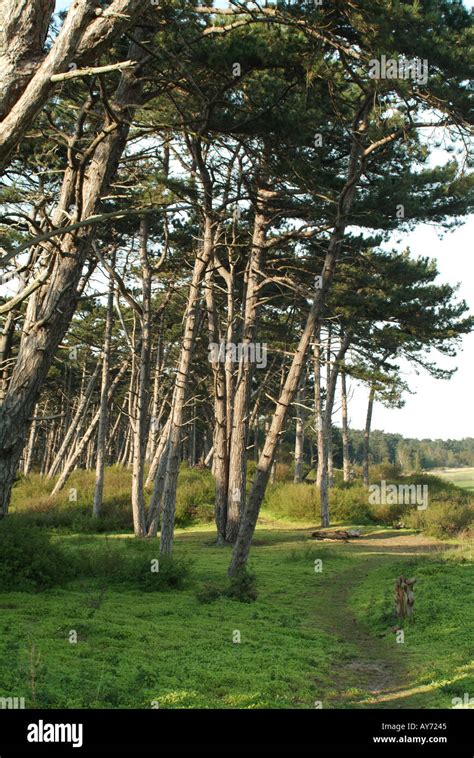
pixel 32 499
pixel 301 501
pixel 172 574
pixel 135 564
pixel 442 520
pixel 29 559
pixel 349 504
pixel 243 586
pixel 195 496
pixel 386 470
pixel 209 593
pixel 295 501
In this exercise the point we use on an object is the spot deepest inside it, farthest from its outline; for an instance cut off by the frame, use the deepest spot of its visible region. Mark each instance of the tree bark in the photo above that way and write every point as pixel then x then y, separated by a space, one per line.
pixel 241 404
pixel 184 366
pixel 26 71
pixel 82 444
pixel 366 448
pixel 355 168
pixel 346 464
pixel 143 394
pixel 299 433
pixel 51 307
pixel 104 403
pixel 76 422
pixel 332 374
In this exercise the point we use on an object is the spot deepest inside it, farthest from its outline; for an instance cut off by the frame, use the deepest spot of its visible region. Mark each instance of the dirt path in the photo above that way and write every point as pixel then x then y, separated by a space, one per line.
pixel 376 670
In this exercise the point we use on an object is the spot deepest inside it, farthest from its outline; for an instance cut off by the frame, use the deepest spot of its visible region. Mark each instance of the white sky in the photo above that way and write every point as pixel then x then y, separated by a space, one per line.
pixel 441 409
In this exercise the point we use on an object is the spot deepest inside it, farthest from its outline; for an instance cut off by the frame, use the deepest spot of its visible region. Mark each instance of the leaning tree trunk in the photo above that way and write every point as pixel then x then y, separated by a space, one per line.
pixel 31 444
pixel 366 448
pixel 76 421
pixel 332 374
pixel 346 464
pixel 346 199
pixel 27 71
pixel 299 434
pixel 221 458
pixel 143 393
pixel 241 405
pixel 104 403
pixel 181 381
pixel 81 446
pixel 51 307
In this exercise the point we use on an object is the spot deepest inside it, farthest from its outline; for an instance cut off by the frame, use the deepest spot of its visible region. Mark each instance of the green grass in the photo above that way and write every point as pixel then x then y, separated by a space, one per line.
pixel 136 648
pixel 309 636
pixel 462 477
pixel 437 646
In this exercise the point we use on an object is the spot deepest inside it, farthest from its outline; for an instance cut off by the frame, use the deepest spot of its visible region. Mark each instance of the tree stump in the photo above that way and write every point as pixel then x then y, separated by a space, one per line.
pixel 404 597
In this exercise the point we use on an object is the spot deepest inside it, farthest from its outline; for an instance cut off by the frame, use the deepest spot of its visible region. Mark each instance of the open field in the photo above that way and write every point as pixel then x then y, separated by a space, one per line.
pixel 461 477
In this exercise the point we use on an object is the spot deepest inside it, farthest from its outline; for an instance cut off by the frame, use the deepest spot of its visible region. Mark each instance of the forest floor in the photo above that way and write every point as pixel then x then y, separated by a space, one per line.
pixel 311 639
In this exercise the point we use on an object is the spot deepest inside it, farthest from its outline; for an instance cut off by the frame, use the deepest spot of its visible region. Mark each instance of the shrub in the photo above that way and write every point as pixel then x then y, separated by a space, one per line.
pixel 301 501
pixel 209 593
pixel 388 513
pixel 195 496
pixel 349 504
pixel 29 559
pixel 243 586
pixel 171 575
pixel 385 470
pixel 297 501
pixel 442 520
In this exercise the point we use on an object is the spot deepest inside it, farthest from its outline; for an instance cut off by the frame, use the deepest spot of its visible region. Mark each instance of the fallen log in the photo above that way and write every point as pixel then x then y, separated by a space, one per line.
pixel 340 534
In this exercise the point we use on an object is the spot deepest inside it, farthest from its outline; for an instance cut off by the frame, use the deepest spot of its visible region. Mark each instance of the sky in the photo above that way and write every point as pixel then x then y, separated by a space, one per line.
pixel 438 409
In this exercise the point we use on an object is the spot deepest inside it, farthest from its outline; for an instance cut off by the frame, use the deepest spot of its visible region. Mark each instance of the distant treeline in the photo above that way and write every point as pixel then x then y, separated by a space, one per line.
pixel 411 454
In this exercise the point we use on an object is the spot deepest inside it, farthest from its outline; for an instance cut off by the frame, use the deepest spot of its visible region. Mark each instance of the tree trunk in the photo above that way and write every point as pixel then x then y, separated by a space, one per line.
pixel 241 405
pixel 162 450
pixel 31 444
pixel 184 366
pixel 221 457
pixel 299 435
pixel 82 444
pixel 104 404
pixel 76 423
pixel 249 519
pixel 51 307
pixel 318 405
pixel 143 394
pixel 346 464
pixel 366 448
pixel 332 374
pixel 26 71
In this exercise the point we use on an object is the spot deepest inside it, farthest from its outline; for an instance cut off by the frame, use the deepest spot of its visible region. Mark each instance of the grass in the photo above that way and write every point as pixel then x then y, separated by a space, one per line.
pixel 136 648
pixel 461 477
pixel 296 647
pixel 310 635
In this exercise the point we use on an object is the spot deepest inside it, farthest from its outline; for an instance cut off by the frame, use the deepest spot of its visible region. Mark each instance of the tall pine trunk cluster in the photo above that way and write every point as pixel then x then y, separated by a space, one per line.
pixel 184 282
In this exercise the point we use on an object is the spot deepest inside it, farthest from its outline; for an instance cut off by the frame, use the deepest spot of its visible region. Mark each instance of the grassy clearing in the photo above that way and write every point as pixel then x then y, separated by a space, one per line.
pixel 298 643
pixel 134 648
pixel 461 477
pixel 309 636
